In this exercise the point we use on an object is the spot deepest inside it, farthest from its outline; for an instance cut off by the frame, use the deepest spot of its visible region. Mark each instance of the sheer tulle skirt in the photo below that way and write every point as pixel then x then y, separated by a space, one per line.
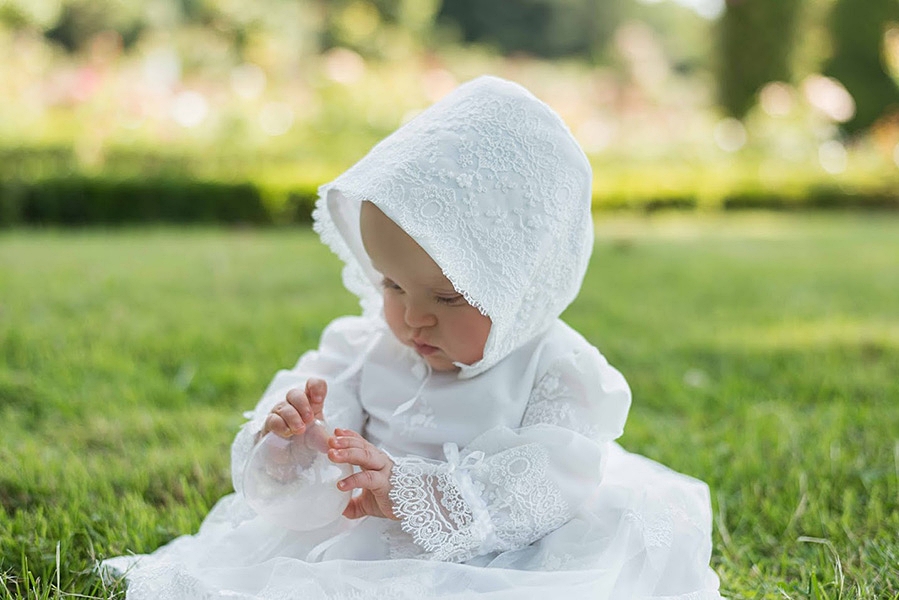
pixel 646 533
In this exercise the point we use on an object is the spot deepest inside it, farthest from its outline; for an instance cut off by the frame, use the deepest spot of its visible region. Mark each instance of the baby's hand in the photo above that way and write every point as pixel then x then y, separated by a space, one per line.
pixel 299 408
pixel 347 446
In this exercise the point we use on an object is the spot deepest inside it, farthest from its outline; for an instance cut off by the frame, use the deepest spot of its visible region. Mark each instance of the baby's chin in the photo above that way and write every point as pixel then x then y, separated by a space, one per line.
pixel 444 364
pixel 439 361
pixel 441 364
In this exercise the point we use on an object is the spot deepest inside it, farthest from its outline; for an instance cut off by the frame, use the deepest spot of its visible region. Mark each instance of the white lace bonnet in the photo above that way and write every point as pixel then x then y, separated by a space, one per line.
pixel 492 185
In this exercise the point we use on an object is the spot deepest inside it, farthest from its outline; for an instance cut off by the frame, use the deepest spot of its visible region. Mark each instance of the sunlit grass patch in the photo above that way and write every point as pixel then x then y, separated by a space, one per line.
pixel 762 350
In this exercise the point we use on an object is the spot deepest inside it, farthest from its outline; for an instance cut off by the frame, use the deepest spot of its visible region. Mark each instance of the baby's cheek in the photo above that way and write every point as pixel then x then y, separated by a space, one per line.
pixel 393 314
pixel 473 328
pixel 480 329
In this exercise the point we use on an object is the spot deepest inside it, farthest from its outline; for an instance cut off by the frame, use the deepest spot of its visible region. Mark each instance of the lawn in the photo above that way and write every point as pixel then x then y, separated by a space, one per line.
pixel 763 351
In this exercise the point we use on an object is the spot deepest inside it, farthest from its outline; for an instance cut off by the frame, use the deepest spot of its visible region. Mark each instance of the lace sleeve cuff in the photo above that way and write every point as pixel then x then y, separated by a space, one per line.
pixel 438 507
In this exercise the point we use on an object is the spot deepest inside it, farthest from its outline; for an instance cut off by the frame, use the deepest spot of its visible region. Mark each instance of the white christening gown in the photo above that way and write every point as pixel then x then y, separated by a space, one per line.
pixel 508 485
pixel 507 478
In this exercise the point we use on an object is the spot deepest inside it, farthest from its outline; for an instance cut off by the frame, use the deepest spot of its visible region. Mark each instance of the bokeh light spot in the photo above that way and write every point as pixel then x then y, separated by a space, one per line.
pixel 344 66
pixel 830 97
pixel 162 68
pixel 248 81
pixel 776 99
pixel 276 118
pixel 189 109
pixel 833 157
pixel 730 134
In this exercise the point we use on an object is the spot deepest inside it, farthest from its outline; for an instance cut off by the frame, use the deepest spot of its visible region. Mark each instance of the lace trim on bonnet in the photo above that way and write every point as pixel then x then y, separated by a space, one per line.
pixel 492 185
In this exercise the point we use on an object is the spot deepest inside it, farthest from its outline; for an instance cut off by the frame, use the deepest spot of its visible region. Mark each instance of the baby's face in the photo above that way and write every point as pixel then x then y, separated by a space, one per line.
pixel 421 307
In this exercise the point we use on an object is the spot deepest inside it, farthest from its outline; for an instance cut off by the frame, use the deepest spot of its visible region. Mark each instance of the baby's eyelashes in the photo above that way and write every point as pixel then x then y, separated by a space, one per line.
pixel 439 298
pixel 389 284
pixel 451 300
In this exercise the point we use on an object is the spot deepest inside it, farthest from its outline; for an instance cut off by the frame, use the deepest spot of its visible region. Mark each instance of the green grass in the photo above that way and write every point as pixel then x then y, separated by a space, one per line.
pixel 763 351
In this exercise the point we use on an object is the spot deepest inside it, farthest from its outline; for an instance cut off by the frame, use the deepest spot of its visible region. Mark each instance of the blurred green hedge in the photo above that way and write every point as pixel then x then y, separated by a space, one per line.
pixel 82 200
pixel 86 200
pixel 47 185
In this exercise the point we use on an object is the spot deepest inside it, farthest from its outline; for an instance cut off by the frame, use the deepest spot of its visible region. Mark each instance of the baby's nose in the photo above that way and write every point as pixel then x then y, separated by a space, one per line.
pixel 417 317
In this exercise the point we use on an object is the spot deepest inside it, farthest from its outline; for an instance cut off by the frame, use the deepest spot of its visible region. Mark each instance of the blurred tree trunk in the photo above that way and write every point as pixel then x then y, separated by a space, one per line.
pixel 547 28
pixel 755 41
pixel 857 32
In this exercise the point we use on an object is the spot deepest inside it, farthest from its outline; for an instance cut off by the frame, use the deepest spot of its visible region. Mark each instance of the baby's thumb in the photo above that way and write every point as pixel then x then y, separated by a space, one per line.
pixel 353 509
pixel 316 390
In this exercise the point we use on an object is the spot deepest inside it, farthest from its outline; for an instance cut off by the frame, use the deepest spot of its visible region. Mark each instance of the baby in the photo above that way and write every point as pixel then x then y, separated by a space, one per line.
pixel 420 304
pixel 481 426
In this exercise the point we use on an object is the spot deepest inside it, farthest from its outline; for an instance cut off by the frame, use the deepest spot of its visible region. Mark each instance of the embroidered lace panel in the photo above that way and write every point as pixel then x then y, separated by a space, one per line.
pixel 430 505
pixel 515 502
pixel 554 403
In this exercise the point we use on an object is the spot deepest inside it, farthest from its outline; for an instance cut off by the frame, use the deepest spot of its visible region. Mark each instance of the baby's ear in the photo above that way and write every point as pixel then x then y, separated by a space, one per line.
pixel 316 390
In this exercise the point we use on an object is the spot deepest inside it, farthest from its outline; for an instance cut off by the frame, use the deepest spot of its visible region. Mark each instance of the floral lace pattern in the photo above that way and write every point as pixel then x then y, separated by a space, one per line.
pixel 403 589
pixel 557 562
pixel 154 578
pixel 552 403
pixel 522 504
pixel 490 182
pixel 660 518
pixel 432 510
pixel 657 530
pixel 420 417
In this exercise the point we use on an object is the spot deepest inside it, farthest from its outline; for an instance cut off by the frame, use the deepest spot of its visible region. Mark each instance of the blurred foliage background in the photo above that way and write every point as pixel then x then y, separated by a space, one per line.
pixel 223 110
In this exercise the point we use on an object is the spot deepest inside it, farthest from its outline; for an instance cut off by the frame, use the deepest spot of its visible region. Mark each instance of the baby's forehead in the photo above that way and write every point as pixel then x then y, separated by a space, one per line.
pixel 438 281
pixel 422 275
pixel 397 255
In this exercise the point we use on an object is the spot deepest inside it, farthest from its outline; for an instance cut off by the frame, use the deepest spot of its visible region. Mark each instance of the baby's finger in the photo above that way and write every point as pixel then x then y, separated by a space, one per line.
pixel 336 441
pixel 300 402
pixel 354 509
pixel 291 416
pixel 316 390
pixel 348 433
pixel 275 423
pixel 365 458
pixel 366 480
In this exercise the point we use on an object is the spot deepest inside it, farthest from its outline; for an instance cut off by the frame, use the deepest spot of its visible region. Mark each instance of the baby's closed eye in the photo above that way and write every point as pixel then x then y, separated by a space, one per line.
pixel 449 299
pixel 389 284
pixel 453 300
